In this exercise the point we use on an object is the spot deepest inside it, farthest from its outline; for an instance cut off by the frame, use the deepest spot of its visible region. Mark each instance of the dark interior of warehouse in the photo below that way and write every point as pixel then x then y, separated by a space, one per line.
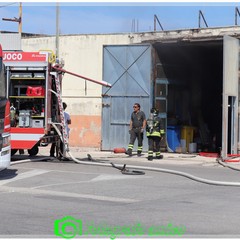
pixel 194 72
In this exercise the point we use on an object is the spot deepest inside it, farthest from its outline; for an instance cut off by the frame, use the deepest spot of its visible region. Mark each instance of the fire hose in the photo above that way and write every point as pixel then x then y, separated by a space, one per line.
pixel 139 170
pixel 221 162
pixel 125 170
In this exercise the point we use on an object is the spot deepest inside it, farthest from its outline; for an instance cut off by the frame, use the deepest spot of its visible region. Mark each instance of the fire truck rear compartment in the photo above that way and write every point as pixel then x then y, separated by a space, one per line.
pixel 32 105
pixel 194 72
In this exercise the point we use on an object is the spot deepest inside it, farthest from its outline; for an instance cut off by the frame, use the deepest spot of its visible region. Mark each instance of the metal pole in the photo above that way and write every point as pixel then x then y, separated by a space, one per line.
pixel 237 13
pixel 156 19
pixel 57 30
pixel 199 19
pixel 20 19
pixel 155 25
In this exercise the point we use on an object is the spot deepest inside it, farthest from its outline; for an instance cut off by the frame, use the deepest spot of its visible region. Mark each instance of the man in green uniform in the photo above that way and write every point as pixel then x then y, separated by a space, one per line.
pixel 136 128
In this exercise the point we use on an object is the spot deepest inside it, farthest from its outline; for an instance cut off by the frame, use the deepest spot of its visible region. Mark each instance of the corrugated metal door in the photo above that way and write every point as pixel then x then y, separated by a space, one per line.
pixel 129 69
pixel 230 95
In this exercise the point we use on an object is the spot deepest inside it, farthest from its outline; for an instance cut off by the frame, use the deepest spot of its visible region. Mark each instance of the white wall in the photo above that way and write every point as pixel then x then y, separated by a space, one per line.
pixel 83 55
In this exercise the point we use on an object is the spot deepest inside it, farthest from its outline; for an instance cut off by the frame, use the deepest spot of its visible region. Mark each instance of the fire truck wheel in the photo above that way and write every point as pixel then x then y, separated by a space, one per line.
pixel 13 151
pixel 33 151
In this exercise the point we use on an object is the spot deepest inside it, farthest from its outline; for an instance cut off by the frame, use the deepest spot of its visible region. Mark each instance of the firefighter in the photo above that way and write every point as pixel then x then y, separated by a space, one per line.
pixel 155 133
pixel 136 128
pixel 54 145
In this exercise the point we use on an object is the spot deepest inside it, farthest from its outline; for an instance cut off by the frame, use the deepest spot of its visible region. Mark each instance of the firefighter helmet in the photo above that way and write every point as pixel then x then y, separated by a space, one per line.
pixel 155 112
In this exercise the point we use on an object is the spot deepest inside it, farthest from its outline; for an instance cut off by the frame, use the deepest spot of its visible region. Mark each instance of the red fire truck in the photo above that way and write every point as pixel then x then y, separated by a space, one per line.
pixel 5 147
pixel 34 83
pixel 33 104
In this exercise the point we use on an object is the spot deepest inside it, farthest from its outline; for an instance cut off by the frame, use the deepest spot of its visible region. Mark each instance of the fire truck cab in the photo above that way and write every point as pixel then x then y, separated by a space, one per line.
pixel 33 103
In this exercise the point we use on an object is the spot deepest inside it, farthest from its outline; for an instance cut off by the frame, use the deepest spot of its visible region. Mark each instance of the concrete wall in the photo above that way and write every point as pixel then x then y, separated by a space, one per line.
pixel 82 54
pixel 10 41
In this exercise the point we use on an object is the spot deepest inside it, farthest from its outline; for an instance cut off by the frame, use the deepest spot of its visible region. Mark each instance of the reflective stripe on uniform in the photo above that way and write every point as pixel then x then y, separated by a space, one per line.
pixel 150 153
pixel 130 146
pixel 140 148
pixel 153 134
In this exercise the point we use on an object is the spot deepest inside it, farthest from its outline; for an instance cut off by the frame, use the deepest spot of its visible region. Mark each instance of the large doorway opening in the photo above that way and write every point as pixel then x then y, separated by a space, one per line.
pixel 194 72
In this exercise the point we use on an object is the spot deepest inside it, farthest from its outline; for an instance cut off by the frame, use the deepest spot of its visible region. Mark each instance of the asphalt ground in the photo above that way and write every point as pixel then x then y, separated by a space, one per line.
pixel 36 194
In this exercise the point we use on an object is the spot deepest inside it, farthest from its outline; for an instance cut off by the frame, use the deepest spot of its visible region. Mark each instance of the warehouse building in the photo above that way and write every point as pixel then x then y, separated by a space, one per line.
pixel 191 75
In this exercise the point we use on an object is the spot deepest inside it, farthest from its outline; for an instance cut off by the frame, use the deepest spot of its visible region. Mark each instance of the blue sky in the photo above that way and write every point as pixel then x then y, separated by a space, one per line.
pixel 91 18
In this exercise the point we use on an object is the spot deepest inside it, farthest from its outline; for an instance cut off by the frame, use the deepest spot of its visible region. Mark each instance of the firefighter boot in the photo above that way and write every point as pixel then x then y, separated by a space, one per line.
pixel 150 155
pixel 158 155
pixel 129 152
pixel 139 151
pixel 150 158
